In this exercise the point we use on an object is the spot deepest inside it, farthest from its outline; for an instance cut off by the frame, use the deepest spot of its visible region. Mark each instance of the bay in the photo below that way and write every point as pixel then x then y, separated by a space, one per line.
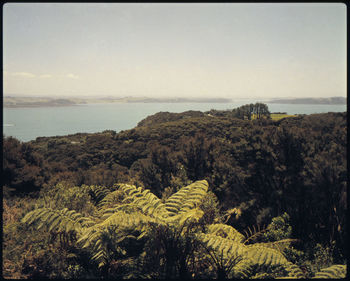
pixel 27 124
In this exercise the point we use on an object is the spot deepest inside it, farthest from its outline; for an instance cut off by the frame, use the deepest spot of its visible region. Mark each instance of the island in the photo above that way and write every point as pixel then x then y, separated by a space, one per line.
pixel 331 100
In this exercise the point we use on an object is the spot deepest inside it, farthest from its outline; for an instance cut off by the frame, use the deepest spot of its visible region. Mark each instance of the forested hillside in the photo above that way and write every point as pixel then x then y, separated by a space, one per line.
pixel 275 190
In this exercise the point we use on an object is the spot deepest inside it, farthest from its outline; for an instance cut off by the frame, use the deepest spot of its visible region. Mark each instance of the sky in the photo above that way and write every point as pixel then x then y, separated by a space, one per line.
pixel 224 50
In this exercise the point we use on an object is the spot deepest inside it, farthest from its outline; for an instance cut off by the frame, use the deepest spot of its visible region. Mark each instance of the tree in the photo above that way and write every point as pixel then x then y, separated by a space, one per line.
pixel 23 168
pixel 248 111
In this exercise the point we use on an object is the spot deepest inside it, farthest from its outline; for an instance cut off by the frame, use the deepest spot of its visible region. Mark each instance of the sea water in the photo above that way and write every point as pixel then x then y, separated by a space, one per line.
pixel 27 124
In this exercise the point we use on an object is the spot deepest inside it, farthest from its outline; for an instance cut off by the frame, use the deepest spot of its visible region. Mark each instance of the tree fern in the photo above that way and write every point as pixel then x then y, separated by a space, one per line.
pixel 117 227
pixel 129 217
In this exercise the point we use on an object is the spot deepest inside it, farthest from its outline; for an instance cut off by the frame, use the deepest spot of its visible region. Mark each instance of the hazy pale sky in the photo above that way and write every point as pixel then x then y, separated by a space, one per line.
pixel 194 50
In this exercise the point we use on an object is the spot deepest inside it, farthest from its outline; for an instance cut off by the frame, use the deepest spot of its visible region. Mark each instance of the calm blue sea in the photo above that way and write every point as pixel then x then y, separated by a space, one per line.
pixel 29 123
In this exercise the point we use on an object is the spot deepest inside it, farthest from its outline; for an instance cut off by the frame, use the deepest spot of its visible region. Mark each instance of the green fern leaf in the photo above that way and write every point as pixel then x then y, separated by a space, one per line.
pixel 332 272
pixel 265 256
pixel 279 245
pixel 294 271
pixel 226 231
pixel 187 197
pixel 61 220
pixel 146 201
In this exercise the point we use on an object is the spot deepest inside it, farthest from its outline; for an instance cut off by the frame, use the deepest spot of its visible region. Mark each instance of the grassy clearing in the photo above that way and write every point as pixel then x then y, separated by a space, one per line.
pixel 277 116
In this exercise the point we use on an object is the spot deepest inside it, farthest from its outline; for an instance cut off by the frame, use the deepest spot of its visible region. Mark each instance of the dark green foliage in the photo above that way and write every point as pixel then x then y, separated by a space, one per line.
pixel 23 167
pixel 244 112
pixel 197 156
pixel 249 111
pixel 163 117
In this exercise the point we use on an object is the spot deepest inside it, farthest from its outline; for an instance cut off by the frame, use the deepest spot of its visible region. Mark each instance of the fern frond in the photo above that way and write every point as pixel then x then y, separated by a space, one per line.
pixel 188 197
pixel 279 245
pixel 184 221
pixel 294 271
pixel 146 201
pixel 262 255
pixel 58 220
pixel 253 233
pixel 228 254
pixel 127 208
pixel 104 238
pixel 255 254
pixel 334 271
pixel 109 199
pixel 229 248
pixel 234 211
pixel 242 269
pixel 96 192
pixel 225 231
pixel 33 216
pixel 100 241
pixel 124 220
pixel 119 221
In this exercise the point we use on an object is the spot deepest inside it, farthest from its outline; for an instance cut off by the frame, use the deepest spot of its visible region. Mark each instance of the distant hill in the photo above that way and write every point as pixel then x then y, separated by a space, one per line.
pixel 163 117
pixel 17 101
pixel 332 100
pixel 36 102
pixel 180 100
